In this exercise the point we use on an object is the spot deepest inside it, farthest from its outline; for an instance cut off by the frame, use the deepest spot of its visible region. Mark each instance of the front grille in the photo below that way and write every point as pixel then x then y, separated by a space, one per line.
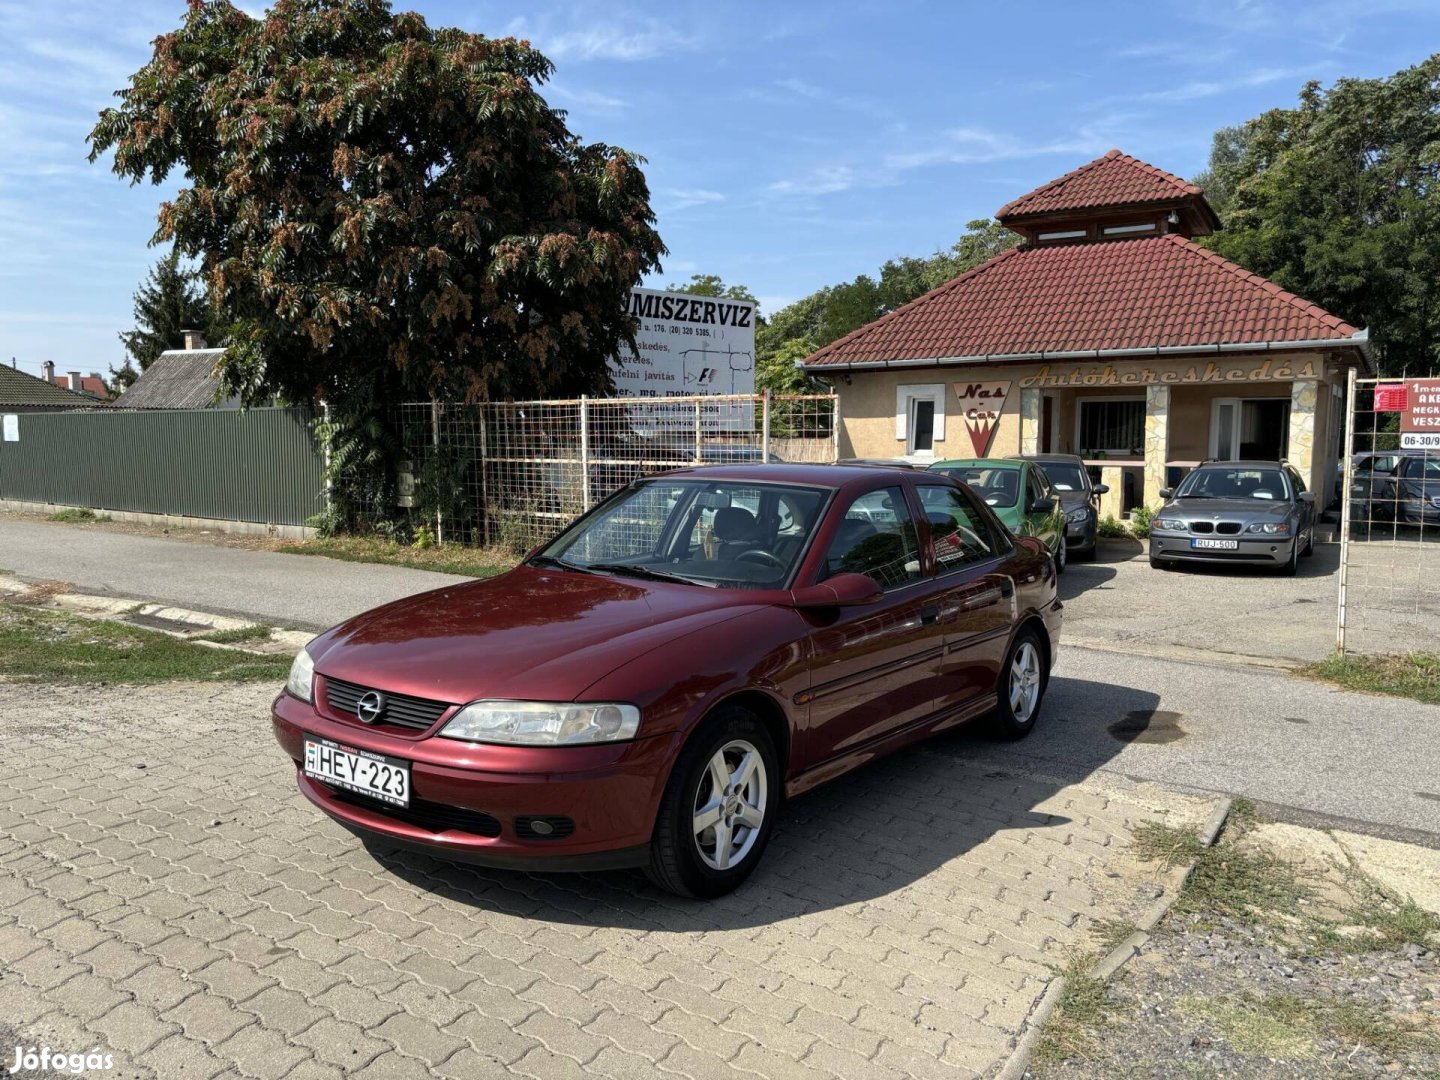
pixel 1201 527
pixel 433 817
pixel 1229 528
pixel 401 710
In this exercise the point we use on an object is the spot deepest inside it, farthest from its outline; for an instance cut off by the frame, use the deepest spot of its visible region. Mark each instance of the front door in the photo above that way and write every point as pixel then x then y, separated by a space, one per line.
pixel 977 602
pixel 876 666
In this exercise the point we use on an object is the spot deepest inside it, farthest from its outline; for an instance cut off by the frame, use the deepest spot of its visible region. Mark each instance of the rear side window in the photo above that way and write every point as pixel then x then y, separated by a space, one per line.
pixel 877 538
pixel 962 535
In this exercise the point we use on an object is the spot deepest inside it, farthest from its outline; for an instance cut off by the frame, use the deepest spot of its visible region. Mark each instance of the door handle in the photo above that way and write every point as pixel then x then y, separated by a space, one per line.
pixel 929 613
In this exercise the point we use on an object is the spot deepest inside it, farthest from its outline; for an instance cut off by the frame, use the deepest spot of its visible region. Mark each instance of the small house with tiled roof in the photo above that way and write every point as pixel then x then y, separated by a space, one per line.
pixel 22 392
pixel 1107 333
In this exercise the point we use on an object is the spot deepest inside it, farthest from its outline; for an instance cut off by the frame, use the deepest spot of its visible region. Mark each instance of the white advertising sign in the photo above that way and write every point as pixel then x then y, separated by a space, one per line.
pixel 688 345
pixel 11 424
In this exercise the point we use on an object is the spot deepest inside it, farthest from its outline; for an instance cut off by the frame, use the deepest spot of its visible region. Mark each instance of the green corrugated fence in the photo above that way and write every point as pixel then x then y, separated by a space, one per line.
pixel 260 465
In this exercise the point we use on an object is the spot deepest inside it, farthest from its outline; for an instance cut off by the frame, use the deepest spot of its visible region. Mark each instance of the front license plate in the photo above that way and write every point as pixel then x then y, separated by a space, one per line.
pixel 1215 545
pixel 375 775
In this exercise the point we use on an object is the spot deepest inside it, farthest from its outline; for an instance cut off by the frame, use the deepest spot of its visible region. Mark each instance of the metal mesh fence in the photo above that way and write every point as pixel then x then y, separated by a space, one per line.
pixel 1390 530
pixel 515 473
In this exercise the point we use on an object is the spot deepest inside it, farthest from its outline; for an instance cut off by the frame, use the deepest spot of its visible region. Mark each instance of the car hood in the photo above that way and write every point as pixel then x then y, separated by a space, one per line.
pixel 1249 509
pixel 528 634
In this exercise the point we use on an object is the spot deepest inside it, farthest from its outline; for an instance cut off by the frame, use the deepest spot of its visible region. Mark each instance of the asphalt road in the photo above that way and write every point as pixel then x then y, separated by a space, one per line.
pixel 301 591
pixel 1300 746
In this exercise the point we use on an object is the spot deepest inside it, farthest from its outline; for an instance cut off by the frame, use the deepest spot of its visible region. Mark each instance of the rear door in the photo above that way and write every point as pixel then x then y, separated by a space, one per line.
pixel 875 668
pixel 977 601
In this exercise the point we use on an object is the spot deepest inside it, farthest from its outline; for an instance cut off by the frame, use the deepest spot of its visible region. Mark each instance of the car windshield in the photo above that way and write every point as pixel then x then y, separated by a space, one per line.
pixel 1219 482
pixel 1066 476
pixel 998 487
pixel 737 534
pixel 1420 468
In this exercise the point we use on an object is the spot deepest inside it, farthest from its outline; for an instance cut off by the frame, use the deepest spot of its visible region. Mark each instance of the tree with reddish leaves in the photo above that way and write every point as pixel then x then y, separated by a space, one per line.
pixel 384 210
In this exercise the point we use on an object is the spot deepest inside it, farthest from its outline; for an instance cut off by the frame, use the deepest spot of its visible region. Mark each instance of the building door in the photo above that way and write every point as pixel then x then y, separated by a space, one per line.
pixel 1047 424
pixel 1250 429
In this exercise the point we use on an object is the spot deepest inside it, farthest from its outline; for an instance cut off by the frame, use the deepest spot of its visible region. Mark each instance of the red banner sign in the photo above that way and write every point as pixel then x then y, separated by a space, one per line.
pixel 1391 397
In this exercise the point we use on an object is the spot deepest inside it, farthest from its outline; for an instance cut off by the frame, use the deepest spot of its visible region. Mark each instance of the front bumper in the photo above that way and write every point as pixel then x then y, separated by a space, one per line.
pixel 610 792
pixel 1259 551
pixel 1080 536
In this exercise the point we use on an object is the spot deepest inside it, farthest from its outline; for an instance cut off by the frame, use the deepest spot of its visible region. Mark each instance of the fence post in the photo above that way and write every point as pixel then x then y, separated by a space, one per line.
pixel 697 433
pixel 585 452
pixel 1345 510
pixel 834 427
pixel 484 456
pixel 765 430
pixel 325 456
pixel 435 442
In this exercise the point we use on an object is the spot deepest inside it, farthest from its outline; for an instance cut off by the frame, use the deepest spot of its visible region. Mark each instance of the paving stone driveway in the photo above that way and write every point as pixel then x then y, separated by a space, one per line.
pixel 167 896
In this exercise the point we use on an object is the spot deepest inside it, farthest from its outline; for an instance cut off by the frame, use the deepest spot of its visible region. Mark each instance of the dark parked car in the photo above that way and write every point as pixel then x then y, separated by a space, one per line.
pixel 1254 512
pixel 1071 481
pixel 1401 487
pixel 648 688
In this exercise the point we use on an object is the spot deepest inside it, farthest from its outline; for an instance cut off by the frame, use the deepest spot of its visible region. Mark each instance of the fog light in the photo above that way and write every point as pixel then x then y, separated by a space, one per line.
pixel 544 828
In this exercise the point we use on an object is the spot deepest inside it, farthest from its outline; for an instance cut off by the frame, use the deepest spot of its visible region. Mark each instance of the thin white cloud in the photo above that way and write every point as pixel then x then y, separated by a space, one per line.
pixel 822 180
pixel 1194 91
pixel 685 198
pixel 586 99
pixel 621 39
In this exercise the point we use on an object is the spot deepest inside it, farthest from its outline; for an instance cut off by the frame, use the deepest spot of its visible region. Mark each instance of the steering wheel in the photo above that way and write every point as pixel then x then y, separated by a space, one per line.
pixel 760 555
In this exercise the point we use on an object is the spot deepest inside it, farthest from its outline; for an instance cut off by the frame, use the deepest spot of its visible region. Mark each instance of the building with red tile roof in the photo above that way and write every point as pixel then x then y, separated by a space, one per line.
pixel 1108 333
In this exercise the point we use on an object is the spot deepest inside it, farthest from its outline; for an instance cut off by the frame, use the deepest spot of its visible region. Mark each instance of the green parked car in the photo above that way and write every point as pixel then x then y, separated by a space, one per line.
pixel 1020 495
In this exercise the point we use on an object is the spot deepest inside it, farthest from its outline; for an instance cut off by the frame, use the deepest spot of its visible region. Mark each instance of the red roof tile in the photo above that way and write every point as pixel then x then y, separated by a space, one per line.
pixel 1115 179
pixel 1160 291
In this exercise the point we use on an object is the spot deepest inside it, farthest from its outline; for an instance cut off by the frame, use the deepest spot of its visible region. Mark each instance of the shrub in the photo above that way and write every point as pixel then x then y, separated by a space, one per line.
pixel 1140 521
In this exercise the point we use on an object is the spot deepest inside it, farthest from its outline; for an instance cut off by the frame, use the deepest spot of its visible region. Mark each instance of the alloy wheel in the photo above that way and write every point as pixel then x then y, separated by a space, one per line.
pixel 730 804
pixel 1025 681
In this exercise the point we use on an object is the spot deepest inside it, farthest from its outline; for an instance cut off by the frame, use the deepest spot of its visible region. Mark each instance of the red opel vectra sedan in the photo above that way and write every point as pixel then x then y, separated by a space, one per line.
pixel 647 688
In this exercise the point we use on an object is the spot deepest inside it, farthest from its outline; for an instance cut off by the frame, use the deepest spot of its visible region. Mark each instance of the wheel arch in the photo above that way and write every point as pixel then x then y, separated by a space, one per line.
pixel 770 713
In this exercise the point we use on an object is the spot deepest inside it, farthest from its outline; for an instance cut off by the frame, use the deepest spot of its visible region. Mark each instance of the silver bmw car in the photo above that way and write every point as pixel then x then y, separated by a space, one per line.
pixel 1255 512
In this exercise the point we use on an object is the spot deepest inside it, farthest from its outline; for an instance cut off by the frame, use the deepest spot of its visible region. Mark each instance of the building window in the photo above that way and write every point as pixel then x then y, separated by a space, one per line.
pixel 920 418
pixel 1066 234
pixel 1114 425
pixel 1122 230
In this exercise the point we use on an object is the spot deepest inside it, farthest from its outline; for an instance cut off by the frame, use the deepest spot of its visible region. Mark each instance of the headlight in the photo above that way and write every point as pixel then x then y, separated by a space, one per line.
pixel 1078 515
pixel 1168 524
pixel 542 723
pixel 302 676
pixel 1280 527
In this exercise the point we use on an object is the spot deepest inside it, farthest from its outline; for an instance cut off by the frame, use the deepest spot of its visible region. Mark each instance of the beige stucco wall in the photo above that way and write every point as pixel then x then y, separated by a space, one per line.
pixel 868 403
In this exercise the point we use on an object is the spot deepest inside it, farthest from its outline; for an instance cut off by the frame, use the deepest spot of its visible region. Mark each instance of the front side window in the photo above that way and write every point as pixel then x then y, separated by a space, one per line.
pixel 725 533
pixel 877 538
pixel 961 534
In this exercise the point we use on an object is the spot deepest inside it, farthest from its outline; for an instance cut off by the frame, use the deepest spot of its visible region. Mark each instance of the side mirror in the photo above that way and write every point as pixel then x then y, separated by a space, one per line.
pixel 1307 496
pixel 1165 493
pixel 842 590
pixel 1101 489
pixel 1042 506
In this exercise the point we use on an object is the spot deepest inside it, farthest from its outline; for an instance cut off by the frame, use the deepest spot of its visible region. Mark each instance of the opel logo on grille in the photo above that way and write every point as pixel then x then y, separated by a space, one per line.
pixel 370 707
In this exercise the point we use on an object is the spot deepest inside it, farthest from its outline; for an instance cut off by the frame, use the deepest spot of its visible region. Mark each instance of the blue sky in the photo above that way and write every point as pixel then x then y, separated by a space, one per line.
pixel 791 145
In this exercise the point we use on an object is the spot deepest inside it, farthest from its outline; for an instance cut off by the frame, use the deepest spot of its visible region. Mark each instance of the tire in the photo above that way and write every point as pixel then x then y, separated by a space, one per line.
pixel 1292 564
pixel 1309 543
pixel 1062 558
pixel 1016 711
pixel 685 860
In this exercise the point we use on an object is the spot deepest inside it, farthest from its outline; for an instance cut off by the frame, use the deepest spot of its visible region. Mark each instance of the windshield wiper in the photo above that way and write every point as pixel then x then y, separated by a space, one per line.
pixel 632 570
pixel 559 564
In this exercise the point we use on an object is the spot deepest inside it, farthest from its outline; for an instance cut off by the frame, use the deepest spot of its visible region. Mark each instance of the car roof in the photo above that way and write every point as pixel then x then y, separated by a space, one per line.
pixel 832 476
pixel 1245 464
pixel 1074 459
pixel 979 463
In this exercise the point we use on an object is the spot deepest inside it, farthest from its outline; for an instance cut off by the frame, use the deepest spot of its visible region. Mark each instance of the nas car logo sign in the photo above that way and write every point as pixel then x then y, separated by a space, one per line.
pixel 980 407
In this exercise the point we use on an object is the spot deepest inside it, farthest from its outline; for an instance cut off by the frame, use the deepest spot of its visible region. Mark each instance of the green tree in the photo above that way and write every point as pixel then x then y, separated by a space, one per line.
pixel 713 285
pixel 167 302
pixel 1336 200
pixel 386 210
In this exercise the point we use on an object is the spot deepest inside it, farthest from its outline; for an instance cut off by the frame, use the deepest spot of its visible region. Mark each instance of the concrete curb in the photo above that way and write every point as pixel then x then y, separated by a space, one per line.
pixel 1018 1064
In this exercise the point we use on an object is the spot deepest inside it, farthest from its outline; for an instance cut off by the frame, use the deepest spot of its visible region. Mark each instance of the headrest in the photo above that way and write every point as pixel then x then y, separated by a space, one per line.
pixel 734 523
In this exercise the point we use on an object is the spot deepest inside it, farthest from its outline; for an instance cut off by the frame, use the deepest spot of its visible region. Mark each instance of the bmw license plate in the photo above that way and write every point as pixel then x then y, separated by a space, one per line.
pixel 375 775
pixel 1206 542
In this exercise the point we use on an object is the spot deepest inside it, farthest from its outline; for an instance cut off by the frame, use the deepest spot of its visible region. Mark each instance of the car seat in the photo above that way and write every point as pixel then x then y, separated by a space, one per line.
pixel 736 530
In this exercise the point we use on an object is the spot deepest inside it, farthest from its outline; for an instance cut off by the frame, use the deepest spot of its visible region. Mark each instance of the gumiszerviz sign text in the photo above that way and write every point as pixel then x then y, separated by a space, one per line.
pixel 981 404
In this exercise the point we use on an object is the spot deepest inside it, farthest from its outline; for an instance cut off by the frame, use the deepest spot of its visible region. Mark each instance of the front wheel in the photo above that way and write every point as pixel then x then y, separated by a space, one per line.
pixel 1021 686
pixel 1291 566
pixel 1061 557
pixel 718 809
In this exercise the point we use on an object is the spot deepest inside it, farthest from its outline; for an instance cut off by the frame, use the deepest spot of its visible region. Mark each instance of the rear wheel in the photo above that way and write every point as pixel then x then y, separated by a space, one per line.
pixel 719 807
pixel 1021 686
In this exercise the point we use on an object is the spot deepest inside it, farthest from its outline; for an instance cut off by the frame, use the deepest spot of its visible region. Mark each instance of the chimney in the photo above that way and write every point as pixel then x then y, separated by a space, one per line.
pixel 75 383
pixel 47 371
pixel 194 339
